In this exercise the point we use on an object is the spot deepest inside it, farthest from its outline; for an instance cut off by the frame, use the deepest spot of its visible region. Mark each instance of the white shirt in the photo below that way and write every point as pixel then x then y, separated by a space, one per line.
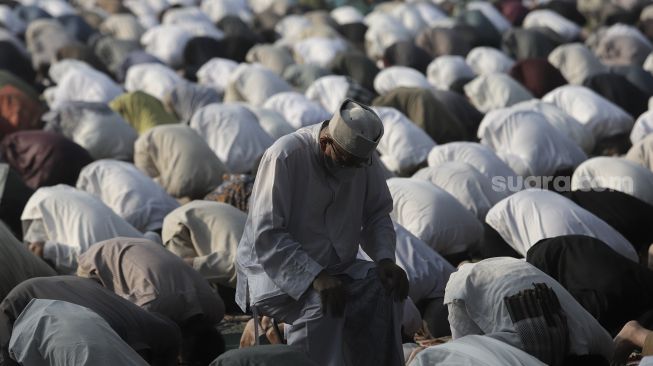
pixel 642 152
pixel 601 116
pixel 167 42
pixel 403 145
pixel 298 110
pixel 318 50
pixel 256 84
pixel 152 78
pixel 303 220
pixel 479 156
pixel 329 91
pixel 477 350
pixel 560 25
pixel 346 15
pixel 445 70
pixel 476 295
pixel 85 84
pixel 494 91
pixel 561 121
pixel 531 215
pixel 615 173
pixel 233 133
pixel 488 60
pixel 216 72
pixel 528 136
pixel 642 128
pixel 399 76
pixel 58 333
pixel 69 221
pixel 470 187
pixel 96 128
pixel 383 31
pixel 128 192
pixel 272 122
pixel 576 62
pixel 426 270
pixel 216 10
pixel 433 215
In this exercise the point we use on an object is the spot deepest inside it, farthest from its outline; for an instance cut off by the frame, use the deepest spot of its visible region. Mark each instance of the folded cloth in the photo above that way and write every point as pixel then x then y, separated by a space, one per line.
pixel 540 322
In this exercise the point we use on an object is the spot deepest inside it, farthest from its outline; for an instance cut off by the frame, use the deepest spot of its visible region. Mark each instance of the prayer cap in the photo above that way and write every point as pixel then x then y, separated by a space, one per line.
pixel 356 128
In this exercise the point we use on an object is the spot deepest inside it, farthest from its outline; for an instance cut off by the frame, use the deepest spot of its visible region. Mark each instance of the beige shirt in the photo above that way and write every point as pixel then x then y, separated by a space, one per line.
pixel 146 274
pixel 209 232
pixel 178 158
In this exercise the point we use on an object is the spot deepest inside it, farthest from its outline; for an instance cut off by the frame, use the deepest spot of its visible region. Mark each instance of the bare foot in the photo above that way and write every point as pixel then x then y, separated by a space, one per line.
pixel 629 338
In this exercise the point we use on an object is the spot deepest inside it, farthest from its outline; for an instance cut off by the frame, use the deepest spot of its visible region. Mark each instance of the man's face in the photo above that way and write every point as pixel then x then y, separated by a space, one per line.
pixel 341 157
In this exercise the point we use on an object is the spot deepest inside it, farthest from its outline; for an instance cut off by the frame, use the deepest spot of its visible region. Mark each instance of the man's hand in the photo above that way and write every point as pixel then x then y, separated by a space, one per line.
pixel 332 293
pixel 36 248
pixel 393 279
pixel 189 260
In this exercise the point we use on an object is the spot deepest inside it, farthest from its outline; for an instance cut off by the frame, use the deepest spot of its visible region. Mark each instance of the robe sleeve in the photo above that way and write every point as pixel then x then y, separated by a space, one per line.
pixel 283 259
pixel 378 236
pixel 63 256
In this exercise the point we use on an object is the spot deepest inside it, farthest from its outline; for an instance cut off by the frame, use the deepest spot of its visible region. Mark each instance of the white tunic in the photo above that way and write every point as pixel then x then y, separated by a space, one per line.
pixel 560 25
pixel 561 121
pixel 470 187
pixel 488 60
pixel 128 192
pixel 494 91
pixel 642 152
pixel 255 84
pixel 85 84
pixel 69 221
pixel 528 136
pixel 427 271
pixel 216 72
pixel 479 156
pixel 329 91
pixel 233 133
pixel 399 76
pixel 615 173
pixel 152 78
pixel 96 128
pixel 445 70
pixel 642 128
pixel 403 145
pixel 433 215
pixel 576 62
pixel 58 333
pixel 475 295
pixel 531 215
pixel 298 110
pixel 304 219
pixel 477 350
pixel 602 117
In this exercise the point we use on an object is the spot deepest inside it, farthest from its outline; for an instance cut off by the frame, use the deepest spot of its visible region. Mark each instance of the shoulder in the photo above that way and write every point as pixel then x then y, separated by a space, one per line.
pixel 295 145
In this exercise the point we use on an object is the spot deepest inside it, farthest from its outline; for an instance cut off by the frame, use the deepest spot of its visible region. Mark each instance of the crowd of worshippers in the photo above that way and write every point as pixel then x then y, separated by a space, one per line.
pixel 364 178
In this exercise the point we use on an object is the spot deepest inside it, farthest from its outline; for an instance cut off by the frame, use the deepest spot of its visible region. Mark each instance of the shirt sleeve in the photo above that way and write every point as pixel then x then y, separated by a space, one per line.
pixel 283 259
pixel 63 256
pixel 378 236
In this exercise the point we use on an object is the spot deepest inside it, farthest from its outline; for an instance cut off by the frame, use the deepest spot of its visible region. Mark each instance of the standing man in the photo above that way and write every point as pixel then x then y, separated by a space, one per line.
pixel 319 193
